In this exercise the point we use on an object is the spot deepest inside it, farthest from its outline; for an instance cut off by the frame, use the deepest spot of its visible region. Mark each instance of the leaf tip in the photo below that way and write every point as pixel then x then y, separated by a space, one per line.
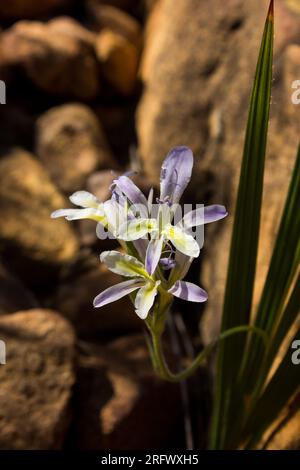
pixel 271 11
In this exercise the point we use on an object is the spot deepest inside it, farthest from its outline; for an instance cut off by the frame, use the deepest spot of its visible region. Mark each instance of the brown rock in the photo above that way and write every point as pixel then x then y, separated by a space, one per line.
pixel 108 17
pixel 285 435
pixel 196 93
pixel 30 8
pixel 70 27
pixel 291 74
pixel 119 60
pixel 58 63
pixel 36 380
pixel 13 294
pixel 288 23
pixel 120 403
pixel 75 296
pixel 71 144
pixel 29 238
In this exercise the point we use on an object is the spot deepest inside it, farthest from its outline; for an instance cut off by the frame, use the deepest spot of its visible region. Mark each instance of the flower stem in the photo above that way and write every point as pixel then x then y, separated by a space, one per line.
pixel 161 364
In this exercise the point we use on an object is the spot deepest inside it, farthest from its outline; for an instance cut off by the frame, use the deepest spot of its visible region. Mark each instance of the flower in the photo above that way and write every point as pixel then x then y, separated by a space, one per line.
pixel 91 208
pixel 146 286
pixel 175 175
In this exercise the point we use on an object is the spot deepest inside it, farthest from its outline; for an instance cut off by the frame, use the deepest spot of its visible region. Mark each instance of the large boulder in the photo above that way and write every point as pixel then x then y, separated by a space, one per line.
pixel 119 402
pixel 72 144
pixel 57 61
pixel 119 60
pixel 28 237
pixel 36 381
pixel 198 96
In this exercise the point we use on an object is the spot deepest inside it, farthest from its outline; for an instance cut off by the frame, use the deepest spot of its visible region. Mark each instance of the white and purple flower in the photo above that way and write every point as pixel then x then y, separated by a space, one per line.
pixel 163 250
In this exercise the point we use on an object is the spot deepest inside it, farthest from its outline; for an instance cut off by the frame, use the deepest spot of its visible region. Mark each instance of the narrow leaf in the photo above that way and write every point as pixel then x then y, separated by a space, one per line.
pixel 244 243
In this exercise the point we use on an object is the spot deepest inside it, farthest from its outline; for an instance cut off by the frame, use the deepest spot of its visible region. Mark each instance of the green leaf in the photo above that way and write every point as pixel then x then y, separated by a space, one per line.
pixel 284 384
pixel 284 263
pixel 244 243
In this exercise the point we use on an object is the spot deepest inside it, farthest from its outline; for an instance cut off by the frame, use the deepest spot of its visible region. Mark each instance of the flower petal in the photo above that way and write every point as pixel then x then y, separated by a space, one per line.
pixel 188 291
pixel 182 241
pixel 122 264
pixel 176 173
pixel 76 214
pixel 153 253
pixel 84 199
pixel 204 215
pixel 135 229
pixel 116 292
pixel 133 193
pixel 115 214
pixel 145 299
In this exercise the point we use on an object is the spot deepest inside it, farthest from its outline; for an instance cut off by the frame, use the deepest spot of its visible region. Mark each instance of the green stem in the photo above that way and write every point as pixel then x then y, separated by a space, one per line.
pixel 161 364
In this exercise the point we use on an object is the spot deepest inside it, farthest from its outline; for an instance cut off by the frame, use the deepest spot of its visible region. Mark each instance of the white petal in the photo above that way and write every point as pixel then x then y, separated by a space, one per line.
pixel 135 229
pixel 123 264
pixel 182 241
pixel 145 299
pixel 76 214
pixel 84 199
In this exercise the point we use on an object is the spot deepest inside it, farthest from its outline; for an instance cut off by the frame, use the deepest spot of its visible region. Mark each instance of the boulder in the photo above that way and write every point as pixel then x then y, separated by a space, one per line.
pixel 30 240
pixel 36 381
pixel 30 8
pixel 198 96
pixel 120 404
pixel 72 145
pixel 108 17
pixel 57 62
pixel 119 60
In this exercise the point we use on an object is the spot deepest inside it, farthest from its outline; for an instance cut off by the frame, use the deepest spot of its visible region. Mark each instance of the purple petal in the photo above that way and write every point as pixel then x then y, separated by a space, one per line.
pixel 204 215
pixel 153 253
pixel 117 292
pixel 133 193
pixel 176 172
pixel 188 291
pixel 214 213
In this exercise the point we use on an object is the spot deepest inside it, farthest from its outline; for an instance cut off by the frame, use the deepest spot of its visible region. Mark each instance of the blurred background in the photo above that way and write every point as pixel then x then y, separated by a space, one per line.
pixel 99 85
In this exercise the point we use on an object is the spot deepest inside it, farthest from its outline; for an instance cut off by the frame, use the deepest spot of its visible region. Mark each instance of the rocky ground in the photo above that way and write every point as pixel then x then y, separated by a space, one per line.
pixel 100 85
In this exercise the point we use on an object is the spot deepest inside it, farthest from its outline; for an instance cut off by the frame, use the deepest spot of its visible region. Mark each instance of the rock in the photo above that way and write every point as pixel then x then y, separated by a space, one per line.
pixel 71 144
pixel 119 402
pixel 56 62
pixel 36 381
pixel 30 240
pixel 211 118
pixel 119 60
pixel 30 8
pixel 108 17
pixel 70 27
pixel 75 295
pixel 286 436
pixel 13 294
pixel 288 24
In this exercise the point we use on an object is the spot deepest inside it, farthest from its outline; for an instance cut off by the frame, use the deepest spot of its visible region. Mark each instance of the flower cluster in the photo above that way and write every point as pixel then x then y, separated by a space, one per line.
pixel 158 250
